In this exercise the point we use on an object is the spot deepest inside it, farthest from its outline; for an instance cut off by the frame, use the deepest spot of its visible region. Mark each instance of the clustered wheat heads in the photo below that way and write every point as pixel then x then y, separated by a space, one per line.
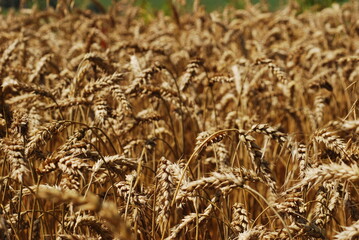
pixel 235 124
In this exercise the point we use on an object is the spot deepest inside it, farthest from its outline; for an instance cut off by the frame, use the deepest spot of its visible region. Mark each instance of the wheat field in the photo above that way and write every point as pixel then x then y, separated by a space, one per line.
pixel 237 124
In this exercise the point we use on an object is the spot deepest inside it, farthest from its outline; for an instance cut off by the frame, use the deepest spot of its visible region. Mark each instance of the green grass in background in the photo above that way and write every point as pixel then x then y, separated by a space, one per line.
pixel 210 5
pixel 220 4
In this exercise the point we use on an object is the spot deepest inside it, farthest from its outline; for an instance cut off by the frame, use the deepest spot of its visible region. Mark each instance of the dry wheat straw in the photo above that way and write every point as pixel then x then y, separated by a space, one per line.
pixel 325 172
pixel 222 181
pixel 106 210
pixel 191 218
pixel 190 115
pixel 349 232
pixel 44 134
pixel 166 185
pixel 240 221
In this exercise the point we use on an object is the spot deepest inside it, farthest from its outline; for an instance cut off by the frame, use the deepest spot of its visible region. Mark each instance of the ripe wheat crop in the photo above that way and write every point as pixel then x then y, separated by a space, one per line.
pixel 236 124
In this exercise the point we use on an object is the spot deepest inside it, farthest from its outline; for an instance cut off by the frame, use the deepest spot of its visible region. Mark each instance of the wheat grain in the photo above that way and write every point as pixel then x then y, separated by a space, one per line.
pixel 349 232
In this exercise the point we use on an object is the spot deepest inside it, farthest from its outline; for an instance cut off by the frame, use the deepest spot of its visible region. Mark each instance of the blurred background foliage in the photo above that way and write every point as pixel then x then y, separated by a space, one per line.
pixel 164 5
